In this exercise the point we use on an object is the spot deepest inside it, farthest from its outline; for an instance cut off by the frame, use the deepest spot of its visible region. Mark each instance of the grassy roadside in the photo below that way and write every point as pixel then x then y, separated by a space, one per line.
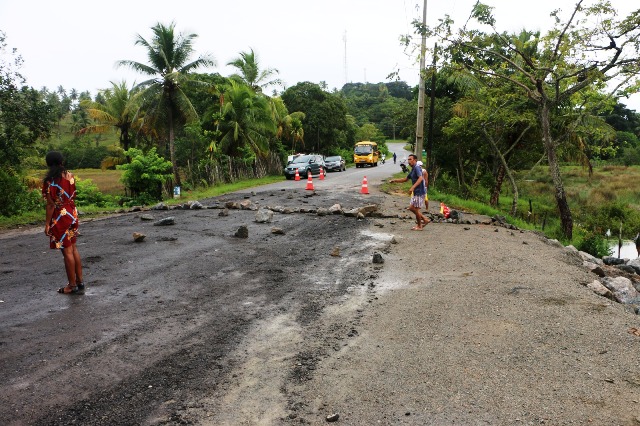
pixel 607 199
pixel 37 218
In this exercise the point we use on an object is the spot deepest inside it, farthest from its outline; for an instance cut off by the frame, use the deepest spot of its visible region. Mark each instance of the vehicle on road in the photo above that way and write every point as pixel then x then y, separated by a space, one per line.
pixel 366 152
pixel 335 163
pixel 304 164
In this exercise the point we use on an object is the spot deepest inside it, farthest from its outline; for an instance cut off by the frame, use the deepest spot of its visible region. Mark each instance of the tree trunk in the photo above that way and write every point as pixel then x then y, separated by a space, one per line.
pixel 462 182
pixel 507 171
pixel 495 194
pixel 566 219
pixel 172 150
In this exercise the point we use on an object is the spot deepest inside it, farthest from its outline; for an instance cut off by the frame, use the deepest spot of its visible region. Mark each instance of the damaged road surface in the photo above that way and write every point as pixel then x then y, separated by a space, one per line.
pixel 191 325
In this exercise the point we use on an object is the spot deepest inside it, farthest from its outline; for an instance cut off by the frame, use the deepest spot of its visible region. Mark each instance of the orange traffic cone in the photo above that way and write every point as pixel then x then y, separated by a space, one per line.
pixel 444 210
pixel 297 175
pixel 321 173
pixel 309 182
pixel 365 187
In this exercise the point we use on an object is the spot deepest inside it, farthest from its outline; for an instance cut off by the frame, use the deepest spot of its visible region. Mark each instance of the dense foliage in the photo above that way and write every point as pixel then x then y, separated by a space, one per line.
pixel 145 175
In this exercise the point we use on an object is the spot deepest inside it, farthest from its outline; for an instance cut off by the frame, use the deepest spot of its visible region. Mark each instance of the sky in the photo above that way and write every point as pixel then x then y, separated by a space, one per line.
pixel 76 43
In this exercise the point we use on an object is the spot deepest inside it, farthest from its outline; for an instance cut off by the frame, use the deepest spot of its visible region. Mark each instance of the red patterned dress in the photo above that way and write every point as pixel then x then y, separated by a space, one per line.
pixel 63 227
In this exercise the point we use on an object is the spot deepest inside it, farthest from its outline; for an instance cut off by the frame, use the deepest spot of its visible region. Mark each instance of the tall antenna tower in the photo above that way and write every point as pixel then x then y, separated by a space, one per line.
pixel 346 76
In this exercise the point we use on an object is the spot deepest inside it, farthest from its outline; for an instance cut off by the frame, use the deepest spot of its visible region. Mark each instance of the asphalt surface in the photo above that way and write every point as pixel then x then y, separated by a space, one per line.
pixel 161 319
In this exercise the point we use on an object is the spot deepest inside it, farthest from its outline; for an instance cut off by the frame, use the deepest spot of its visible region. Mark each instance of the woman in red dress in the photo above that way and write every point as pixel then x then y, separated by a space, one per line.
pixel 59 191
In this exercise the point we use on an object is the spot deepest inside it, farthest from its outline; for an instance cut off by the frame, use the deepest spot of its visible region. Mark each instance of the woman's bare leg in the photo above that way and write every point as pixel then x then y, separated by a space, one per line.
pixel 69 265
pixel 78 264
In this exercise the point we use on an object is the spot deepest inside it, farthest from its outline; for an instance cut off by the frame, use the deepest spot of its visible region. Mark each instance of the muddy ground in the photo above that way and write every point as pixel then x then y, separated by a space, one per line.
pixel 460 325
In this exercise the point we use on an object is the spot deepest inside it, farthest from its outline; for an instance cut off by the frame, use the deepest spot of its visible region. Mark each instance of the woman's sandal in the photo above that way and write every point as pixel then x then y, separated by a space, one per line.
pixel 80 287
pixel 68 290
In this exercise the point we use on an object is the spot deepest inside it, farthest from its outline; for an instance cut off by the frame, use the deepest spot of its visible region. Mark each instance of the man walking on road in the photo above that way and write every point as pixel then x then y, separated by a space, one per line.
pixel 417 192
pixel 394 158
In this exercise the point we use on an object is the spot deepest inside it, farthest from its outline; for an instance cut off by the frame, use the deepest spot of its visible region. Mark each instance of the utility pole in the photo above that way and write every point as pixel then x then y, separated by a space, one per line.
pixel 346 75
pixel 432 105
pixel 420 121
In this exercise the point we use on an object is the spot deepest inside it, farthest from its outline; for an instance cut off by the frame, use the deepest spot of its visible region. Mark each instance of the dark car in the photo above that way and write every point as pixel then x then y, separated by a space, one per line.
pixel 304 164
pixel 334 163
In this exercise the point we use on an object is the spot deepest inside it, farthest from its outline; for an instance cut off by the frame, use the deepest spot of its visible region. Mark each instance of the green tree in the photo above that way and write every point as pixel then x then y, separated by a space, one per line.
pixel 325 123
pixel 116 112
pixel 251 74
pixel 24 115
pixel 577 54
pixel 162 97
pixel 245 122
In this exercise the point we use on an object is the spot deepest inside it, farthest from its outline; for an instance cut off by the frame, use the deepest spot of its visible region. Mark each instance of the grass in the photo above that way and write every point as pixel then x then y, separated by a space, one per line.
pixel 108 181
pixel 588 197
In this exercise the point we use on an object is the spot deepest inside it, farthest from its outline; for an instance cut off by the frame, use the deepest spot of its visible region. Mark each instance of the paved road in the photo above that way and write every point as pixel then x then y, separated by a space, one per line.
pixel 351 179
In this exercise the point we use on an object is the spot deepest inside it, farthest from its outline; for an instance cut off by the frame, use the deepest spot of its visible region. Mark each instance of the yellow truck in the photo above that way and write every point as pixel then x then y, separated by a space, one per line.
pixel 366 152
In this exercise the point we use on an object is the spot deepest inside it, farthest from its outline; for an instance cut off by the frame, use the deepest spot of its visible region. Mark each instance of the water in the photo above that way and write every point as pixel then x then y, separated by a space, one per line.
pixel 628 250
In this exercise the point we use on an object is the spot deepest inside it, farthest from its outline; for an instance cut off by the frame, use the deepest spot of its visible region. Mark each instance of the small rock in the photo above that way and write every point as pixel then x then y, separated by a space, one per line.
pixel 612 261
pixel 495 230
pixel 135 209
pixel 377 258
pixel 196 205
pixel 360 216
pixel 160 206
pixel 333 417
pixel 147 217
pixel 165 221
pixel 224 212
pixel 466 228
pixel 277 231
pixel 242 232
pixel 335 209
pixel 248 205
pixel 335 252
pixel 138 237
pixel 393 240
pixel 264 216
pixel 322 211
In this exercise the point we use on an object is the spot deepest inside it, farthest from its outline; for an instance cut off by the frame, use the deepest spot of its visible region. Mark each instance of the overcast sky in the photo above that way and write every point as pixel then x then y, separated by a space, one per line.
pixel 76 43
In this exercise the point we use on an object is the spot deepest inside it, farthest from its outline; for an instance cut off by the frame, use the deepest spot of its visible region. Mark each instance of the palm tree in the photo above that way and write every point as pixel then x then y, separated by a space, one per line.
pixel 288 126
pixel 116 111
pixel 251 74
pixel 246 123
pixel 162 97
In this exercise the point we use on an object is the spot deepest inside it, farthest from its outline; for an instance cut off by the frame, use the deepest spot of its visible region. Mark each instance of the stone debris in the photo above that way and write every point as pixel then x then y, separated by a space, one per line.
pixel 333 417
pixel 138 237
pixel 335 252
pixel 264 216
pixel 146 217
pixel 160 206
pixel 277 231
pixel 224 212
pixel 242 232
pixel 377 258
pixel 165 221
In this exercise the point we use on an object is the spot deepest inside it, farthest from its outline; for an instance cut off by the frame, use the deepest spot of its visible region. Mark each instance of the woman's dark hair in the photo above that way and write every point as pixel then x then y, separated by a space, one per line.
pixel 55 162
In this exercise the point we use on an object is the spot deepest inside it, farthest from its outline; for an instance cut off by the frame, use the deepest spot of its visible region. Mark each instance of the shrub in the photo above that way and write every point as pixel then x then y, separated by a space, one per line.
pixel 145 175
pixel 16 197
pixel 595 245
pixel 87 193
